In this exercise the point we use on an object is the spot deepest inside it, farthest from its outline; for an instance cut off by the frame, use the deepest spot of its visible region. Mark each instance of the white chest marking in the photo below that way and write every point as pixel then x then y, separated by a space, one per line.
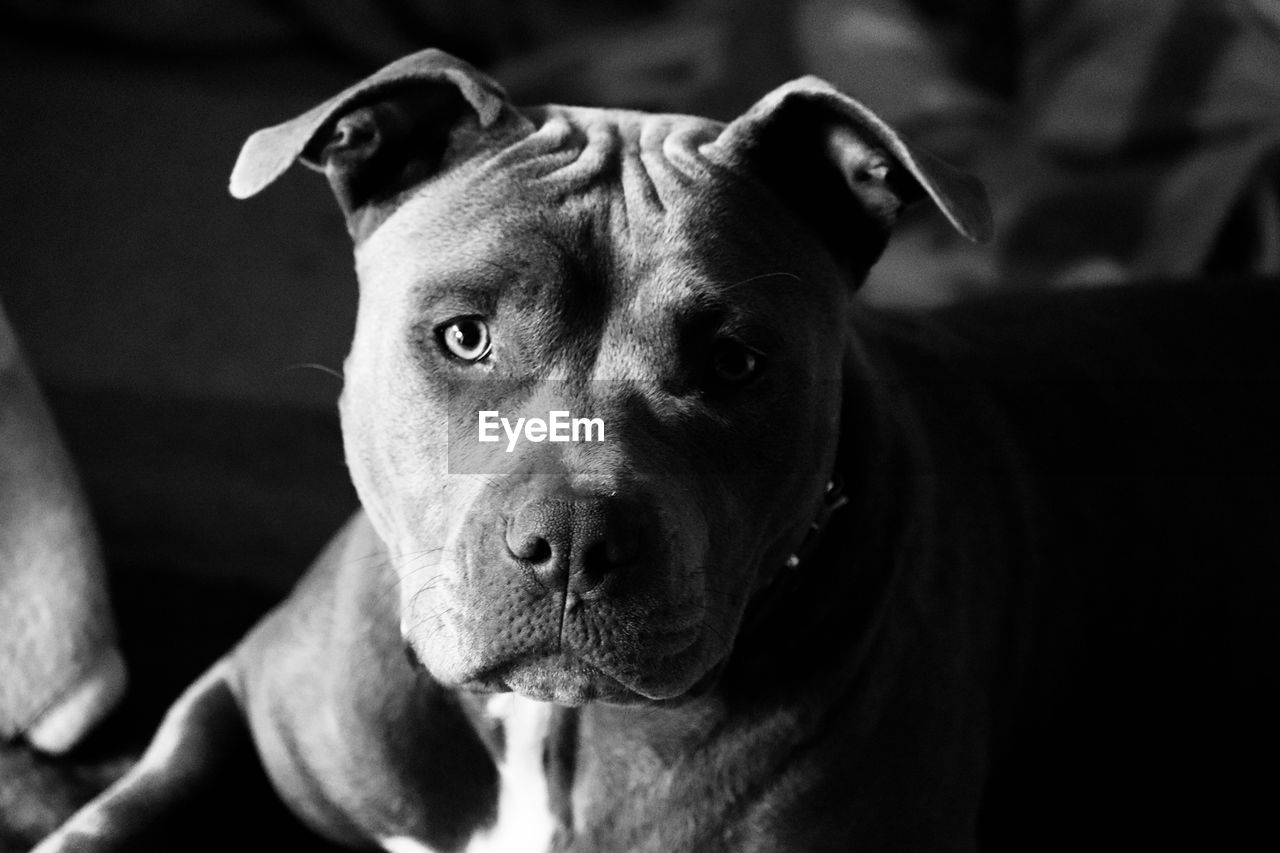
pixel 525 822
pixel 404 844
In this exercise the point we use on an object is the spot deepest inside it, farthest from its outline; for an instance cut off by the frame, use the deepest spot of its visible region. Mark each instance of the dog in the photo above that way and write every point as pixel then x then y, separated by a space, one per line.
pixel 829 578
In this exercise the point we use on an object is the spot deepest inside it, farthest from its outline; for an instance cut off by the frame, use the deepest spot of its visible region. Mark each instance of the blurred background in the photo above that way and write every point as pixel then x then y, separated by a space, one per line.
pixel 1121 139
pixel 183 338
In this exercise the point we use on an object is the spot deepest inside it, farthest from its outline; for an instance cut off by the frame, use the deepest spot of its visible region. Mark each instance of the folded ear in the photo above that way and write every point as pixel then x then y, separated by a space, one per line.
pixel 381 135
pixel 845 169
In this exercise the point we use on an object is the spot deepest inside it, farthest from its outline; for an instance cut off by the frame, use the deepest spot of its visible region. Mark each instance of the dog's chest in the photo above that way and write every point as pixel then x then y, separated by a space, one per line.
pixel 525 818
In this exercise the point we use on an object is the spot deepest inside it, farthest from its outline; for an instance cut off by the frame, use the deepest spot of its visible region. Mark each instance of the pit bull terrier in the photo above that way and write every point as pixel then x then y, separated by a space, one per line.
pixel 836 578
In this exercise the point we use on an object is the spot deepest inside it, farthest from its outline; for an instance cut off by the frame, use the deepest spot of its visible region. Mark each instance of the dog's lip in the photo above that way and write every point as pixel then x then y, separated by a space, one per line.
pixel 589 679
pixel 559 678
pixel 676 639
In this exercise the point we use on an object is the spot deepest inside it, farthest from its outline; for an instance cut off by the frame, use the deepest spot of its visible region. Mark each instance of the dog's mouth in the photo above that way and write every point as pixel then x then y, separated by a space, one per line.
pixel 562 679
pixel 568 676
pixel 585 599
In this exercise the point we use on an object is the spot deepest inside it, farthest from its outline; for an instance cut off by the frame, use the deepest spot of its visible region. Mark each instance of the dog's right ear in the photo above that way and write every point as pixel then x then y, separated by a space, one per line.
pixel 382 135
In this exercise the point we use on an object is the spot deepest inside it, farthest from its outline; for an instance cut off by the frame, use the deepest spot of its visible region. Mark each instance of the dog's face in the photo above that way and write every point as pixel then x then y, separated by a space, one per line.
pixel 609 569
pixel 655 278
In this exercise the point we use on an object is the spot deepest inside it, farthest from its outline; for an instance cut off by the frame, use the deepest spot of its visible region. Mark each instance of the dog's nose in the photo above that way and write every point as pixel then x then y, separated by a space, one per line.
pixel 575 545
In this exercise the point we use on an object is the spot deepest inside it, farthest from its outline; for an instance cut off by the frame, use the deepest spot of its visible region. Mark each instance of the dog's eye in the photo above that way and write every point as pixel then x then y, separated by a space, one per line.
pixel 735 363
pixel 465 338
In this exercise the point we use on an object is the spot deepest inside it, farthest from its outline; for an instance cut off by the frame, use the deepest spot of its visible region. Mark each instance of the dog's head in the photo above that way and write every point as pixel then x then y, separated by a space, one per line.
pixel 672 285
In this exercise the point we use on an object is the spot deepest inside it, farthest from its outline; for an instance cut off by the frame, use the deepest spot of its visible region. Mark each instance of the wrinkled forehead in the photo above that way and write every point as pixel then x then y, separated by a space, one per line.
pixel 652 159
pixel 620 186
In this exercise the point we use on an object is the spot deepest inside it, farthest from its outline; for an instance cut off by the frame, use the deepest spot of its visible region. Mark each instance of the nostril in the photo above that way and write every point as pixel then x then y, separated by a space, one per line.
pixel 596 560
pixel 624 545
pixel 540 551
pixel 577 545
pixel 531 548
pixel 618 547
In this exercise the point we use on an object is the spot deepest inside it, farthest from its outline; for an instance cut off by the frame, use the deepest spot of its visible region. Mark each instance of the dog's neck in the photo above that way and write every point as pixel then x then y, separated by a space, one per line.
pixel 800 647
pixel 833 498
pixel 837 579
pixel 765 601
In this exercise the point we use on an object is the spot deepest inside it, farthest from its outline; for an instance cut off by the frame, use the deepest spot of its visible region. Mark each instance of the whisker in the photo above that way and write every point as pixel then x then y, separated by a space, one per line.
pixel 309 365
pixel 764 275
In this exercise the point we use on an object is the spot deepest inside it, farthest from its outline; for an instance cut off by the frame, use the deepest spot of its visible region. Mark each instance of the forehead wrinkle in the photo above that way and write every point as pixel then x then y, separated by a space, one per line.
pixel 573 150
pixel 670 156
pixel 655 158
pixel 641 199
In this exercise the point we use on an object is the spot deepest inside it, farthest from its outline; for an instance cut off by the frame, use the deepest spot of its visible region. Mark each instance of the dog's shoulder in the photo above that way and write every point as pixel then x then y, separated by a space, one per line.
pixel 1123 359
pixel 346 723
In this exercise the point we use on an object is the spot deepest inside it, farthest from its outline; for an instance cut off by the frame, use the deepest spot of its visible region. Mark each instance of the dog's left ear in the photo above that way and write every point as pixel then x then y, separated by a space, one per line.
pixel 843 168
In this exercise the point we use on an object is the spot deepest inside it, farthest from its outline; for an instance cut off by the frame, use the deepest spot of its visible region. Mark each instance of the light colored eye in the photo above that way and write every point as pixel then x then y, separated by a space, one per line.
pixel 465 338
pixel 735 363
